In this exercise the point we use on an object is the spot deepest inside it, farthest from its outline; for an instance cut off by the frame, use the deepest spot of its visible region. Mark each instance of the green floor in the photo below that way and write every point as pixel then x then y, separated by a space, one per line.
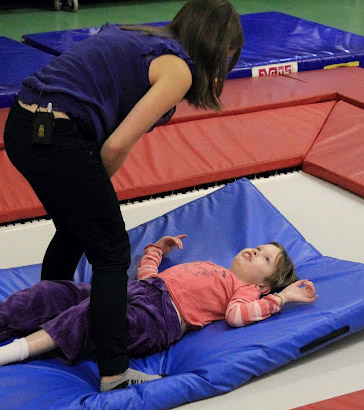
pixel 16 18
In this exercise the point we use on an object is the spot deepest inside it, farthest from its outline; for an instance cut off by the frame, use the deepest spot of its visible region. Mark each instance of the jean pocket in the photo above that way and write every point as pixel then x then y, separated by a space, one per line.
pixel 72 142
pixel 67 137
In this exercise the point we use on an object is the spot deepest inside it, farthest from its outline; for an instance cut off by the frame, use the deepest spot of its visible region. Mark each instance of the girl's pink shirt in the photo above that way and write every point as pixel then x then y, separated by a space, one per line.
pixel 204 292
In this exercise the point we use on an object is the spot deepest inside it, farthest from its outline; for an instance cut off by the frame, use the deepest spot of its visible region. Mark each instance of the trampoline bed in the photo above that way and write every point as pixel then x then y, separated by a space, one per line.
pixel 275 43
pixel 216 359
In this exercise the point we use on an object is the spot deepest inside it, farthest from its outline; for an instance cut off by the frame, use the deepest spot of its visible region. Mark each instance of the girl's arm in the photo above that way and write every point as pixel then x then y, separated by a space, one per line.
pixel 170 79
pixel 150 262
pixel 154 253
pixel 242 313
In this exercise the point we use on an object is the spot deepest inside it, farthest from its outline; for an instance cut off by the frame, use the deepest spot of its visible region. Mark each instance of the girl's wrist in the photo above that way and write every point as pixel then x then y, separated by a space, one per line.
pixel 281 299
pixel 153 245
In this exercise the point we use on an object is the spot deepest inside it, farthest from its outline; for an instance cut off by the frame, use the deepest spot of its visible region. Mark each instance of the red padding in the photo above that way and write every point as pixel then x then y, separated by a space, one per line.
pixel 351 401
pixel 244 95
pixel 192 153
pixel 17 198
pixel 347 81
pixel 187 152
pixel 337 154
pixel 3 116
pixel 196 152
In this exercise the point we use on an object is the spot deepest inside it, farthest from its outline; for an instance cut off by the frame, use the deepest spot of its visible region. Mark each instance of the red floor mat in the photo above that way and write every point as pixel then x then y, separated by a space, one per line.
pixel 213 149
pixel 193 153
pixel 3 116
pixel 17 198
pixel 337 154
pixel 256 94
pixel 347 81
pixel 351 401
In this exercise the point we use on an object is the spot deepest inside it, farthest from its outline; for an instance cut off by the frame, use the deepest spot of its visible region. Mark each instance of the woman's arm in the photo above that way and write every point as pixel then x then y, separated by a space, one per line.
pixel 170 79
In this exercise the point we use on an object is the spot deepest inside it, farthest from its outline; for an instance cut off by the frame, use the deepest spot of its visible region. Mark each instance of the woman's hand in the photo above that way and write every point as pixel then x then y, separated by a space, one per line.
pixel 301 291
pixel 167 243
pixel 111 157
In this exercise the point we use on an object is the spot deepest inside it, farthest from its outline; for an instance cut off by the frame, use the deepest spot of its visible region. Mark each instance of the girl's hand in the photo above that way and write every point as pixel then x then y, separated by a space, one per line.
pixel 167 243
pixel 301 291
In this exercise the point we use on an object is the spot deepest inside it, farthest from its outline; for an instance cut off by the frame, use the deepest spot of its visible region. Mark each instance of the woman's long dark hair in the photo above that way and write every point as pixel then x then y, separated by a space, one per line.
pixel 209 30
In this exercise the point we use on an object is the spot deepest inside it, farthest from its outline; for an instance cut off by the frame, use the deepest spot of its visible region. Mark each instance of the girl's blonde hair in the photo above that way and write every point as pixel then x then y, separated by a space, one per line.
pixel 284 274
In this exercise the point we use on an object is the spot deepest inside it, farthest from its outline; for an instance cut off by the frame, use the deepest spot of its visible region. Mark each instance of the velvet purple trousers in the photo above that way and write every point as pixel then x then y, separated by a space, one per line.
pixel 61 308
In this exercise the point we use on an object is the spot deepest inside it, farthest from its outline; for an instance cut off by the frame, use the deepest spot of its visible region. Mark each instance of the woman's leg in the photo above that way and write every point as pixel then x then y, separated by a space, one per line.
pixel 55 266
pixel 72 183
pixel 36 163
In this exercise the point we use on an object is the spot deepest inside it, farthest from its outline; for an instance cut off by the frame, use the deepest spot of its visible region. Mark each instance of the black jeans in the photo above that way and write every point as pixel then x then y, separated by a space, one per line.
pixel 71 182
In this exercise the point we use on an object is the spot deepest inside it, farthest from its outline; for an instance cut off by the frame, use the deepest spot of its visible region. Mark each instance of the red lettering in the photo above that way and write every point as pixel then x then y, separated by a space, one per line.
pixel 262 72
pixel 273 71
pixel 278 70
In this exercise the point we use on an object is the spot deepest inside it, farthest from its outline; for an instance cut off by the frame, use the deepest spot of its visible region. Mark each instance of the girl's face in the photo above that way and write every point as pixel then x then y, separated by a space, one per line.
pixel 253 265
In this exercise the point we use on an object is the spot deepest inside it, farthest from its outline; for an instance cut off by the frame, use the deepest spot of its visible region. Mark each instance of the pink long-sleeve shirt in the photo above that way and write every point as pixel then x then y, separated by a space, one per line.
pixel 204 292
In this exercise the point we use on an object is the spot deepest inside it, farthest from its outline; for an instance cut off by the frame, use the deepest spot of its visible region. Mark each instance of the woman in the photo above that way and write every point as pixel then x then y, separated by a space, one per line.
pixel 75 122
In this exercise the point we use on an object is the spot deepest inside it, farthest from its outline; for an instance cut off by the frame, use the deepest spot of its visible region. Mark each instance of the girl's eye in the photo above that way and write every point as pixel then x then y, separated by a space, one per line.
pixel 267 259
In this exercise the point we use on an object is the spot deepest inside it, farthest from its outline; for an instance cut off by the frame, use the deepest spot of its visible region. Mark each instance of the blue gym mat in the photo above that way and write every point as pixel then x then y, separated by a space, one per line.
pixel 17 61
pixel 282 42
pixel 218 358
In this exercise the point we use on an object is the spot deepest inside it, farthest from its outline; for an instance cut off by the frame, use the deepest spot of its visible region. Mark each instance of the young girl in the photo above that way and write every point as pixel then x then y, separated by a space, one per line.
pixel 76 120
pixel 161 307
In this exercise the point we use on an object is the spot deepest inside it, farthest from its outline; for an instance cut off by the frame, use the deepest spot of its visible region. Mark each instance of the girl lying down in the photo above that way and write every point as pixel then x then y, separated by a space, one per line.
pixel 161 306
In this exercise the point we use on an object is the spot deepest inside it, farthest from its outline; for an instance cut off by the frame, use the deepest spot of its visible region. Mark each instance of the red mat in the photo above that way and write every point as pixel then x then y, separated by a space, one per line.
pixel 351 401
pixel 3 116
pixel 338 153
pixel 267 124
pixel 17 198
pixel 210 150
pixel 245 95
pixel 347 81
pixel 192 153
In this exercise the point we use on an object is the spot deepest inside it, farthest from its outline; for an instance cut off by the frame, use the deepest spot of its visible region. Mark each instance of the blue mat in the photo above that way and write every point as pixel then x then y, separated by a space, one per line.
pixel 288 43
pixel 17 61
pixel 217 358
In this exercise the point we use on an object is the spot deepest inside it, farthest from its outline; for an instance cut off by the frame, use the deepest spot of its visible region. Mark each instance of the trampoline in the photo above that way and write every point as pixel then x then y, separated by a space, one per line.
pixel 216 359
pixel 317 209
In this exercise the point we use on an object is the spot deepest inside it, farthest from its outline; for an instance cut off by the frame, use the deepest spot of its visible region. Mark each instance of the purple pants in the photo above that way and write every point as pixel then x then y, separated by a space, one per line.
pixel 61 308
